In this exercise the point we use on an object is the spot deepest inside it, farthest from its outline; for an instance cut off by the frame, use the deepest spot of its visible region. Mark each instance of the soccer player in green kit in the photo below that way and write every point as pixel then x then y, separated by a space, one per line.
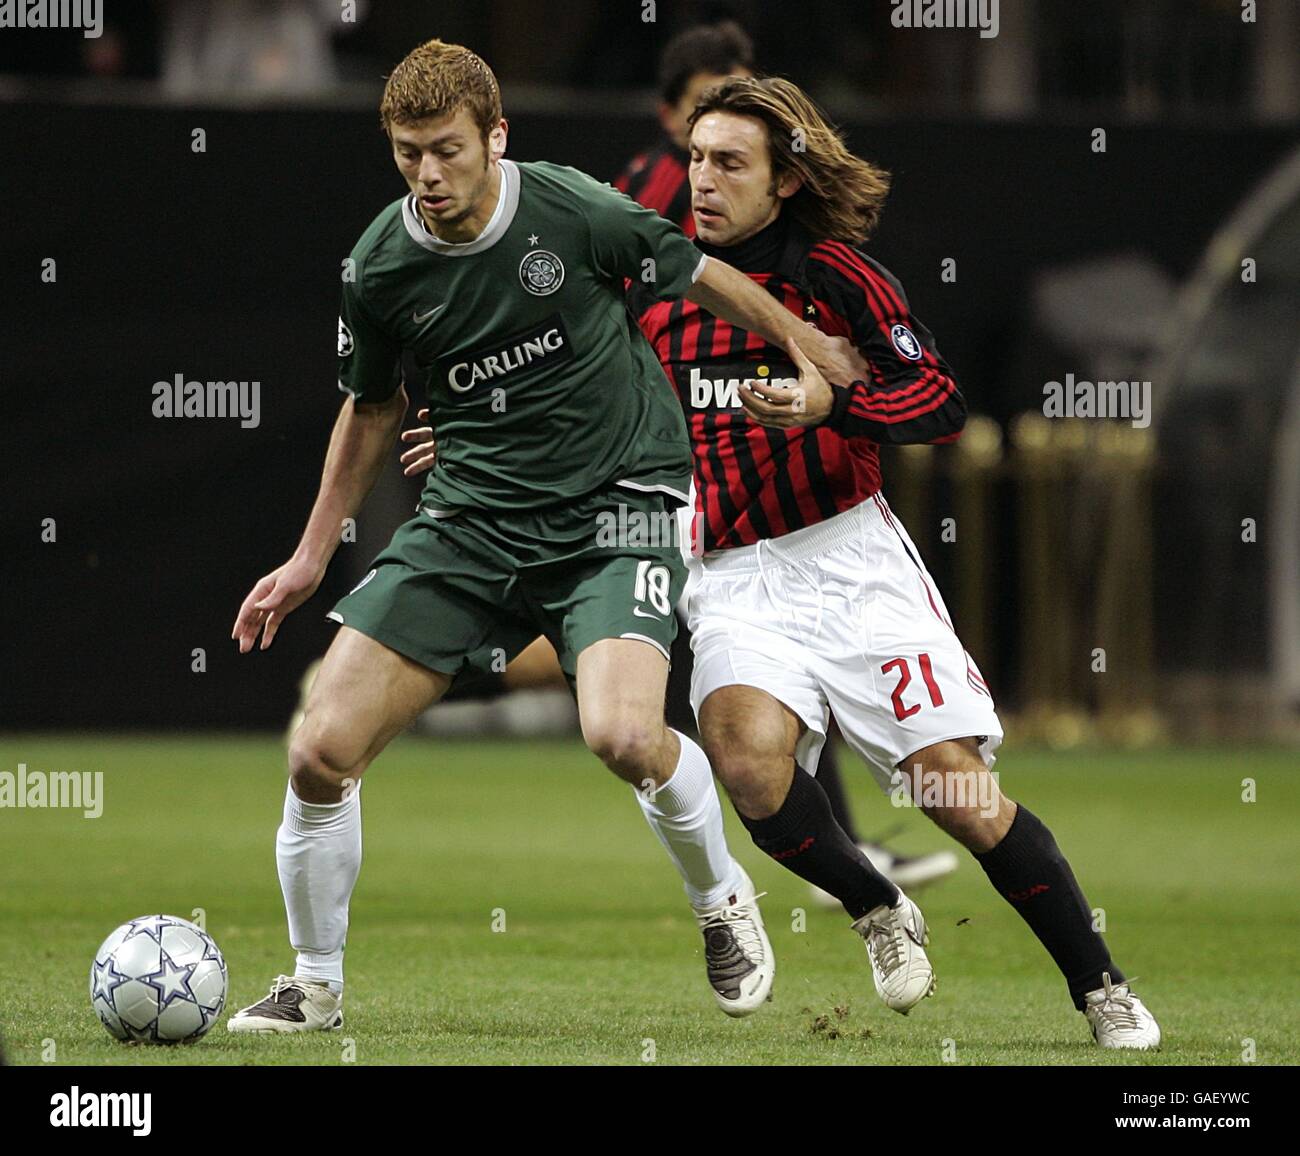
pixel 505 281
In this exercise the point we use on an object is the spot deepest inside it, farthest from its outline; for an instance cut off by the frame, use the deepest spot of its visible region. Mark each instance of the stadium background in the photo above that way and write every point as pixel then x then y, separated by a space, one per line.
pixel 223 265
pixel 1072 536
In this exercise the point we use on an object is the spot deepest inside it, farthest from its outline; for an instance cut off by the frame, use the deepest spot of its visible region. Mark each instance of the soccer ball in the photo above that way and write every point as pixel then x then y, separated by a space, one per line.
pixel 158 980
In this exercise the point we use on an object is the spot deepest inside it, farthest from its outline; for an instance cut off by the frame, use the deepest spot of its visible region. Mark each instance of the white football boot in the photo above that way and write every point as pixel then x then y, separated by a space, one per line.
pixel 1119 1019
pixel 737 952
pixel 294 1005
pixel 906 872
pixel 896 938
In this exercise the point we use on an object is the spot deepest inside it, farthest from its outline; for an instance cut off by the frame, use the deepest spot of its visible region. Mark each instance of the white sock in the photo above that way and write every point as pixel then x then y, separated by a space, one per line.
pixel 686 815
pixel 318 853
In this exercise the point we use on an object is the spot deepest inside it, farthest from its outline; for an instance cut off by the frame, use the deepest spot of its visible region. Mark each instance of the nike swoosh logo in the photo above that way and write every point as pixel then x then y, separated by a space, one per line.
pixel 419 318
pixel 645 614
pixel 912 936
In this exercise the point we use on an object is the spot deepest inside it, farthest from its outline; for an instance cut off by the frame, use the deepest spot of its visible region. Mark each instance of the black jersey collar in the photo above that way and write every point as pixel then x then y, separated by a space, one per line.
pixel 761 253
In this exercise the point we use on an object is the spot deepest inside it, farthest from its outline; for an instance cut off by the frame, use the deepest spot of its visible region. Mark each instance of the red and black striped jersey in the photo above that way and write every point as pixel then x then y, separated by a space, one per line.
pixel 658 179
pixel 753 482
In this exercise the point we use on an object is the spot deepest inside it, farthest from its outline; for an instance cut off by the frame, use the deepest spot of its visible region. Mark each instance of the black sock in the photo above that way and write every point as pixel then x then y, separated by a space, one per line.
pixel 828 775
pixel 1031 874
pixel 804 837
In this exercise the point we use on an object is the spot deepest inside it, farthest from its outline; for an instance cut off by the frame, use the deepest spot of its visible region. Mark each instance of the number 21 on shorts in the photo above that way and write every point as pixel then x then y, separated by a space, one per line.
pixel 901 709
pixel 652 584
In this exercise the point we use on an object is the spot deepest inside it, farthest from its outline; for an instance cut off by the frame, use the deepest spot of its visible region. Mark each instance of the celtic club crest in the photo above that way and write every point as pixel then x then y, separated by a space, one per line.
pixel 541 272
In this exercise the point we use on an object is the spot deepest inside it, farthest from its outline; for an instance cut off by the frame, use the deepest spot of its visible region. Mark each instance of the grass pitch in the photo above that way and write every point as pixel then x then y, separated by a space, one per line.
pixel 599 961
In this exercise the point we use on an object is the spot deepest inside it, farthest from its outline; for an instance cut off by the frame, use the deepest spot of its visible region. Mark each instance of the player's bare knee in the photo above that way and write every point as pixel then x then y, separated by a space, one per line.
pixel 631 750
pixel 754 779
pixel 750 740
pixel 317 773
pixel 757 797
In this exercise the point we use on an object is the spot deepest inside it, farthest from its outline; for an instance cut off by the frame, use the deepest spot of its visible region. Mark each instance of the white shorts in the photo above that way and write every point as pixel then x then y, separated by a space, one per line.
pixel 841 618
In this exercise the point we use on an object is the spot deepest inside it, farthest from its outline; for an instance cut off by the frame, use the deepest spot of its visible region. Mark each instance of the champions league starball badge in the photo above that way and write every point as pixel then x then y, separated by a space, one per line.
pixel 541 272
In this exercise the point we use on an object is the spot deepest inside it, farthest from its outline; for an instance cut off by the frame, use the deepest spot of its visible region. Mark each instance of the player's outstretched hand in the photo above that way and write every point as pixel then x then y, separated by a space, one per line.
pixel 420 458
pixel 806 403
pixel 276 595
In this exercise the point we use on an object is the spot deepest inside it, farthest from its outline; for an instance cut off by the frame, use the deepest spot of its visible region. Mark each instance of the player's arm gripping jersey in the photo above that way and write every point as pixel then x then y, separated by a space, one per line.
pixel 540 388
pixel 911 396
pixel 753 482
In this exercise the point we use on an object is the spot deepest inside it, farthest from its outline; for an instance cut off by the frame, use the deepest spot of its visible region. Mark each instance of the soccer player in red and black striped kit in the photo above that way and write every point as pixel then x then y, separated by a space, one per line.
pixel 812 600
pixel 693 61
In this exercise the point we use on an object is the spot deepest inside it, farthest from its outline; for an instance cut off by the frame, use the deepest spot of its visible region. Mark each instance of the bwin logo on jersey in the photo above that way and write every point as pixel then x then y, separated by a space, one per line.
pixel 541 272
pixel 906 343
pixel 722 390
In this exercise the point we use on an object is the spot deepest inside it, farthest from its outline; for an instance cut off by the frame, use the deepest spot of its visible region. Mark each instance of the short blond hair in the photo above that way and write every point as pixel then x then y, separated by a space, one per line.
pixel 438 79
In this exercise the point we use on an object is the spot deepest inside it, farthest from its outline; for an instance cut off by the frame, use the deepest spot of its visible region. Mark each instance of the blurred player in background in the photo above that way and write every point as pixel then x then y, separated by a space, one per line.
pixel 506 283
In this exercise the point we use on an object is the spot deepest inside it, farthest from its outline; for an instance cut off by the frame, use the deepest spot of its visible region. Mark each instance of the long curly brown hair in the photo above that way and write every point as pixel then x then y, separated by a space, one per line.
pixel 842 195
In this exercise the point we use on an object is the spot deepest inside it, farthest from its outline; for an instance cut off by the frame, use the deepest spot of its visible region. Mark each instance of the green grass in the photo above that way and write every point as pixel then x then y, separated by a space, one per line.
pixel 600 953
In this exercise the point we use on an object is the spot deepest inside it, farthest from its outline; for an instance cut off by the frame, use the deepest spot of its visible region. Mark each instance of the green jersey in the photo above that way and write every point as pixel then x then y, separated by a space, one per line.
pixel 541 388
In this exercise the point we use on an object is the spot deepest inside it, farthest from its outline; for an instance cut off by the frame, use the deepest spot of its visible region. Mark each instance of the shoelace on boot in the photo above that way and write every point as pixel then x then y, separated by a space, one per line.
pixel 284 983
pixel 291 983
pixel 886 938
pixel 1116 1007
pixel 742 915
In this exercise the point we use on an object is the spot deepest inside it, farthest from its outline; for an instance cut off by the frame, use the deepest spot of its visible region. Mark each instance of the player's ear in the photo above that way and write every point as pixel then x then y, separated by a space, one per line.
pixel 497 141
pixel 789 184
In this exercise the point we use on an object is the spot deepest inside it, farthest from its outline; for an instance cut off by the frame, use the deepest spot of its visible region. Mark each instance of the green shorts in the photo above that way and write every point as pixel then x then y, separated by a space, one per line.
pixel 464 594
